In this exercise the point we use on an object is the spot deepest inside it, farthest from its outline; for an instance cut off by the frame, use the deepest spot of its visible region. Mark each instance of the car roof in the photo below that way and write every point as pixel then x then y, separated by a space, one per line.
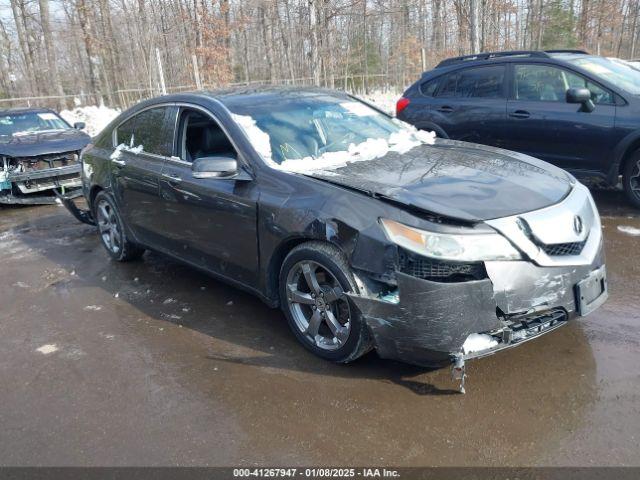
pixel 243 95
pixel 14 111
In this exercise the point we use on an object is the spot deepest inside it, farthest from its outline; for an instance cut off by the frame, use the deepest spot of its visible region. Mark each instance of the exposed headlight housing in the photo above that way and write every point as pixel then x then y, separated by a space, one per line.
pixel 473 247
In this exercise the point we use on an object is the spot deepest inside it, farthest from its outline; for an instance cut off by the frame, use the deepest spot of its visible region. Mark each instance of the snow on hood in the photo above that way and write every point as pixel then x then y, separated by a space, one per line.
pixel 401 142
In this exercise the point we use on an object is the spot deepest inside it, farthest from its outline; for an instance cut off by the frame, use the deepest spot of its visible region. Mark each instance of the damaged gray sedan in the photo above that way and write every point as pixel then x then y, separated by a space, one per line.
pixel 367 233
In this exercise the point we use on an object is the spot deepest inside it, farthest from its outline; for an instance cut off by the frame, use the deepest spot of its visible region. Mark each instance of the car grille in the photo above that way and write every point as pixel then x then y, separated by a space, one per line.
pixel 561 249
pixel 437 271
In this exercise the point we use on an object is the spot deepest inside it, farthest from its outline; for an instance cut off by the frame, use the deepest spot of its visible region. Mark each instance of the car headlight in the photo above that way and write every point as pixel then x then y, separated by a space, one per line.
pixel 456 247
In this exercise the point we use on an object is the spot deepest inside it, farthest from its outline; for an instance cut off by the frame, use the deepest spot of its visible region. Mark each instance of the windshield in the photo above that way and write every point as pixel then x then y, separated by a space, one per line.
pixel 618 73
pixel 305 133
pixel 17 124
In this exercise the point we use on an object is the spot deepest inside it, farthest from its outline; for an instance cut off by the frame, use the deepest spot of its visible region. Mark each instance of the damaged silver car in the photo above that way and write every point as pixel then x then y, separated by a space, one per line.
pixel 39 153
pixel 368 234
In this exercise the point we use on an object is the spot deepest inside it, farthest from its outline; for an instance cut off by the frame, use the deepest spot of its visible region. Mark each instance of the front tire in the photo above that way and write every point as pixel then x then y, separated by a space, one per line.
pixel 112 231
pixel 313 281
pixel 631 179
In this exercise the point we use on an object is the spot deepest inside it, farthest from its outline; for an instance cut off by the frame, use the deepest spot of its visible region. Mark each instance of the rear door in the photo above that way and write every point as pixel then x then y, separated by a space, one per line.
pixel 144 142
pixel 544 125
pixel 470 104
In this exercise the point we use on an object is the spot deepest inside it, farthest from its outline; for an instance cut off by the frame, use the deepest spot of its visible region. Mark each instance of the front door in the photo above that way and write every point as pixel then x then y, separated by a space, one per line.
pixel 544 125
pixel 209 222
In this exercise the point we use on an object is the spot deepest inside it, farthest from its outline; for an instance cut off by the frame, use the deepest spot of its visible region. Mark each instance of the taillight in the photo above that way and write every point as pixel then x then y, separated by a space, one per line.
pixel 401 105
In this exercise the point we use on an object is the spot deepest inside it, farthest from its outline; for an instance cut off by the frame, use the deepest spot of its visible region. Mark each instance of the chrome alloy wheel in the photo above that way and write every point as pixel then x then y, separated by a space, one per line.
pixel 318 305
pixel 108 226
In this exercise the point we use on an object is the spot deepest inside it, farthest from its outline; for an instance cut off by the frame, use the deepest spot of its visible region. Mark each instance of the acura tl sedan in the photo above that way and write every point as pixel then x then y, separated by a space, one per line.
pixel 366 232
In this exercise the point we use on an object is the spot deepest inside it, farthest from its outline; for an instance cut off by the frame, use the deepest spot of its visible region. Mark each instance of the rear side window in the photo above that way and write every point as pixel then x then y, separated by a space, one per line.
pixel 151 132
pixel 482 82
pixel 429 87
pixel 125 132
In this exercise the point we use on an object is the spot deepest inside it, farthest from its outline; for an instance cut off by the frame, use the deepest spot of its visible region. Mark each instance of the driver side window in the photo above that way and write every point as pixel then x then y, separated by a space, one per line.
pixel 546 83
pixel 201 136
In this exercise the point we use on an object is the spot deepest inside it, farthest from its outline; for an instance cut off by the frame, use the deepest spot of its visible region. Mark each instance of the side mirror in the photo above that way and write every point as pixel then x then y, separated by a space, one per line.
pixel 79 125
pixel 214 167
pixel 583 96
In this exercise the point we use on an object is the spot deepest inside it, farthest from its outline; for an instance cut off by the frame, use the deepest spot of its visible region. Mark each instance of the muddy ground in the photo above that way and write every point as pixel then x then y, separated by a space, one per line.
pixel 153 363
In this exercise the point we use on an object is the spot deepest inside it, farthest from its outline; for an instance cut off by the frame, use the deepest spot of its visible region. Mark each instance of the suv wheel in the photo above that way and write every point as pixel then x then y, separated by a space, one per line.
pixel 112 232
pixel 631 179
pixel 313 281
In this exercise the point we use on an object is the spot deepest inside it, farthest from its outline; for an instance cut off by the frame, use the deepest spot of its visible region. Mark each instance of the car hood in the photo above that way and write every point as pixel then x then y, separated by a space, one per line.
pixel 43 143
pixel 455 179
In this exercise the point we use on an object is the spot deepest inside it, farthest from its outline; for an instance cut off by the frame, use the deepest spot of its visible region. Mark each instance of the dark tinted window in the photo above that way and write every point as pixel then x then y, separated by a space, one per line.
pixel 448 85
pixel 124 134
pixel 200 136
pixel 429 88
pixel 151 132
pixel 483 82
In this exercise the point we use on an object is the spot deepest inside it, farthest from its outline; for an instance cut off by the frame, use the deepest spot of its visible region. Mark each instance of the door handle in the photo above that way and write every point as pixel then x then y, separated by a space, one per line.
pixel 520 114
pixel 120 163
pixel 445 109
pixel 172 177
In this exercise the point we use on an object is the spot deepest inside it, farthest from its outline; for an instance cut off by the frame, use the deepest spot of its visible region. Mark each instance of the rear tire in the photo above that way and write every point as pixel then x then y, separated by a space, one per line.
pixel 631 179
pixel 112 230
pixel 313 280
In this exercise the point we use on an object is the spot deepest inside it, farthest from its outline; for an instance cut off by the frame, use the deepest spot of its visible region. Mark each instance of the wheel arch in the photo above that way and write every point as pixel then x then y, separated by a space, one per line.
pixel 623 152
pixel 93 193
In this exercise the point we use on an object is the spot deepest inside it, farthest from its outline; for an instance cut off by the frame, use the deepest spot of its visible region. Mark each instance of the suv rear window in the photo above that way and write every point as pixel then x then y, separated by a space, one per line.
pixel 481 82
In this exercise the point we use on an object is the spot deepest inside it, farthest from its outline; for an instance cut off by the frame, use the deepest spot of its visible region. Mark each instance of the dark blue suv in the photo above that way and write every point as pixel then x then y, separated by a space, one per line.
pixel 578 111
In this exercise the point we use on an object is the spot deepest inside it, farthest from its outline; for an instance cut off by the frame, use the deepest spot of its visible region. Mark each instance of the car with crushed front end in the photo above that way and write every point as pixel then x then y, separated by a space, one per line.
pixel 39 153
pixel 368 233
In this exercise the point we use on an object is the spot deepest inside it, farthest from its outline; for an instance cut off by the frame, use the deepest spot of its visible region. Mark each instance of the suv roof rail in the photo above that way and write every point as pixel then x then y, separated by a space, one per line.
pixel 567 50
pixel 490 55
pixel 511 53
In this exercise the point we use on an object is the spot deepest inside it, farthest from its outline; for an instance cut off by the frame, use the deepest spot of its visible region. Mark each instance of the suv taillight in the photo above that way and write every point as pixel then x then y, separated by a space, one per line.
pixel 401 105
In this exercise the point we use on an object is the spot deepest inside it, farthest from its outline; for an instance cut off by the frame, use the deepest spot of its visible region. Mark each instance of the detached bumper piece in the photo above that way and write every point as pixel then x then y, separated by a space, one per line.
pixel 82 215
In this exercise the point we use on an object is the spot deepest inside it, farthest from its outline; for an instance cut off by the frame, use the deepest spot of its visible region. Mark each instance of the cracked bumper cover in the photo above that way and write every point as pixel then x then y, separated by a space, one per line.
pixel 431 321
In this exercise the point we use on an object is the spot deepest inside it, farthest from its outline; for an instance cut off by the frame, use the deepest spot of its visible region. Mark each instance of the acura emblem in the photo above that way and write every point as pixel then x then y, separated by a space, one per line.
pixel 577 224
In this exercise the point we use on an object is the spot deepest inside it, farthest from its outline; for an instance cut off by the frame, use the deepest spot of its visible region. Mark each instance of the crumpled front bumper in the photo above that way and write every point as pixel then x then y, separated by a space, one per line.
pixel 431 320
pixel 34 185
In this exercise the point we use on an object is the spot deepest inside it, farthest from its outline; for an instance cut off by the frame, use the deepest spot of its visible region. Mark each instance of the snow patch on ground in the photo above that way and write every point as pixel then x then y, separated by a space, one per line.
pixel 47 349
pixel 477 342
pixel 635 232
pixel 384 100
pixel 95 118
